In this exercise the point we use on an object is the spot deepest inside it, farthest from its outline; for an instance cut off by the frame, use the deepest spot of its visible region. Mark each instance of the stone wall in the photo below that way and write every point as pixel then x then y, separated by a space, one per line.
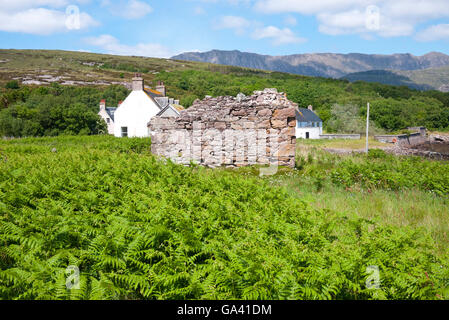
pixel 230 131
pixel 341 136
pixel 402 139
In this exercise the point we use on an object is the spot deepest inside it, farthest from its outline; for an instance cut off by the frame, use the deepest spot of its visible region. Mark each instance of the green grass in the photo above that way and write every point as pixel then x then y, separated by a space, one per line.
pixel 405 206
pixel 140 228
pixel 304 146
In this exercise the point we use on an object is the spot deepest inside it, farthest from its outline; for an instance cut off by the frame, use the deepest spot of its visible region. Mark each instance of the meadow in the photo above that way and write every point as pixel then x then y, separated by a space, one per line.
pixel 138 227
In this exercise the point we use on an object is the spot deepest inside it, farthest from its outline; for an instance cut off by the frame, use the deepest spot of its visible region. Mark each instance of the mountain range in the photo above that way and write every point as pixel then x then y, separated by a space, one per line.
pixel 397 69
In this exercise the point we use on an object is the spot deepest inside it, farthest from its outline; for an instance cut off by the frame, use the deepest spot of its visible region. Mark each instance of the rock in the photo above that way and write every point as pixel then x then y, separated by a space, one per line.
pixel 264 113
pixel 284 113
pixel 220 125
pixel 278 123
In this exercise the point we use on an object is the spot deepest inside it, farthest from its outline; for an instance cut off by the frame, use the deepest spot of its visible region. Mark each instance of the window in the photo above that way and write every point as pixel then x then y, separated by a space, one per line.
pixel 108 120
pixel 124 131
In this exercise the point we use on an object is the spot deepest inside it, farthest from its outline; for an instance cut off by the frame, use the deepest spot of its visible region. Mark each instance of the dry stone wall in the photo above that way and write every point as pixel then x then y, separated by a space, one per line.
pixel 230 131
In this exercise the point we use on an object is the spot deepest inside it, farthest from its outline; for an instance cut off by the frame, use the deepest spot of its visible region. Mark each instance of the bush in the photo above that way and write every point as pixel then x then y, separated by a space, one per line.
pixel 13 84
pixel 139 228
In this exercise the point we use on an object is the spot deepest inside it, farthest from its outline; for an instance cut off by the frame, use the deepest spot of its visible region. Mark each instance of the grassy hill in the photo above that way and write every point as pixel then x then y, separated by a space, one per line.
pixel 83 68
pixel 99 76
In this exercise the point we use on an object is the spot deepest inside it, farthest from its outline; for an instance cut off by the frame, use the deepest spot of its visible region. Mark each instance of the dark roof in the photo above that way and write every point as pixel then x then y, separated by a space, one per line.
pixel 110 111
pixel 306 115
pixel 153 93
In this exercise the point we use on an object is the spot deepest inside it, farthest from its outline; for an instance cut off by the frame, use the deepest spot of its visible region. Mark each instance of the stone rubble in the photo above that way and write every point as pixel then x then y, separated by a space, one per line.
pixel 230 131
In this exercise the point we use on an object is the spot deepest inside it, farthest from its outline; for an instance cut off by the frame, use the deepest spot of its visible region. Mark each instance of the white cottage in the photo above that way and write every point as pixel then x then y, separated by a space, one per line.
pixel 308 124
pixel 107 114
pixel 131 117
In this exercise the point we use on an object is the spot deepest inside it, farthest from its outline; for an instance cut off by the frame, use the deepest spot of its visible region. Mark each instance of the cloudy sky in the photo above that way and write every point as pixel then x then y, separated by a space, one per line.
pixel 277 27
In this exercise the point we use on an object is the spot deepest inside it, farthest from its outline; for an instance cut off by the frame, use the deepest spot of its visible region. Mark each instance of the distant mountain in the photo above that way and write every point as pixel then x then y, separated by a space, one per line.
pixel 426 79
pixel 329 65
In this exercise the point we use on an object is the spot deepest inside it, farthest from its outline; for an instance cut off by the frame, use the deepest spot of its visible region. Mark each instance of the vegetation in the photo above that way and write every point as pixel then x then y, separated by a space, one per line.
pixel 140 228
pixel 55 110
pixel 392 107
pixel 346 118
pixel 378 170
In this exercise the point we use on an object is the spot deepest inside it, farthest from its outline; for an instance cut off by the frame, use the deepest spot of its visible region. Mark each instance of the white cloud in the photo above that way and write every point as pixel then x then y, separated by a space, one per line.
pixel 238 24
pixel 258 31
pixel 278 36
pixel 307 6
pixel 112 45
pixel 397 18
pixel 130 9
pixel 29 17
pixel 290 21
pixel 434 33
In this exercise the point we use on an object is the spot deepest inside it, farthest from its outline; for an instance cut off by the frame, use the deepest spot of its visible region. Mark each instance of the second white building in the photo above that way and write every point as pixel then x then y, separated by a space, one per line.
pixel 308 124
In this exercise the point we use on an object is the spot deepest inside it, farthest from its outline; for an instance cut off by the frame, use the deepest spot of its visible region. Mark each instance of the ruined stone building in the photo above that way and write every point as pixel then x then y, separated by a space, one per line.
pixel 230 131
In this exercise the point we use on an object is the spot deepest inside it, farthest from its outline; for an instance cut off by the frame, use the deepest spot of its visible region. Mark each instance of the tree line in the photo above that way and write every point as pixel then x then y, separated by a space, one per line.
pixel 54 110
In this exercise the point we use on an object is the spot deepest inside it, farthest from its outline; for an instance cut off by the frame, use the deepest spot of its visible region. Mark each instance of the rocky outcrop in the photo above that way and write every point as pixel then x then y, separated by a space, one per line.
pixel 439 138
pixel 230 131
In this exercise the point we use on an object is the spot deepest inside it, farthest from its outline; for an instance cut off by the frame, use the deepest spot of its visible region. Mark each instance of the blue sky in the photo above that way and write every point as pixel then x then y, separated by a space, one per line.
pixel 275 27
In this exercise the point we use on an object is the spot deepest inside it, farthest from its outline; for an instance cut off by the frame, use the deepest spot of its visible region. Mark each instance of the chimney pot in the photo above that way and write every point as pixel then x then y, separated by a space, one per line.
pixel 310 108
pixel 102 104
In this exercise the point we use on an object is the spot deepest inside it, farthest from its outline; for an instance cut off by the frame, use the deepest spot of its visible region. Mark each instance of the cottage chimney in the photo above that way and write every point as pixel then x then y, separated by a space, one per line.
pixel 176 102
pixel 102 105
pixel 310 108
pixel 171 100
pixel 137 82
pixel 161 88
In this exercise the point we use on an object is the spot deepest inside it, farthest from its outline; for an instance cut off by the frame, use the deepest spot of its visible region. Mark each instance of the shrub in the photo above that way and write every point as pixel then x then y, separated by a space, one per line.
pixel 139 228
pixel 13 84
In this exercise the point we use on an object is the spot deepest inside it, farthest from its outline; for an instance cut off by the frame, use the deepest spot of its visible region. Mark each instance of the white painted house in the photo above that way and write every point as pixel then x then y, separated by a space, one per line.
pixel 107 114
pixel 308 124
pixel 131 117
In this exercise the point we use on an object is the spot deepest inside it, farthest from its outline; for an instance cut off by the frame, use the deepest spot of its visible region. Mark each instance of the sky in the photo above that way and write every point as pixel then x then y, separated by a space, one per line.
pixel 275 27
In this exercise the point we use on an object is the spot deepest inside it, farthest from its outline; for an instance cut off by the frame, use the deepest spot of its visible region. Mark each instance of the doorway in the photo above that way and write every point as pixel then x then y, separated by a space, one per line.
pixel 307 135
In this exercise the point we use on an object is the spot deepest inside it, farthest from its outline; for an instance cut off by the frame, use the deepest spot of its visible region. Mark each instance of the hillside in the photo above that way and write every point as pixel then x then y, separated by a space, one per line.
pixel 52 84
pixel 80 68
pixel 426 79
pixel 319 64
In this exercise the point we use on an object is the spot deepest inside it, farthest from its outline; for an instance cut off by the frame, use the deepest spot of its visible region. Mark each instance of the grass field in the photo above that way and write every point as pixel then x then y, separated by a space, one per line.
pixel 139 228
pixel 404 207
pixel 305 146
